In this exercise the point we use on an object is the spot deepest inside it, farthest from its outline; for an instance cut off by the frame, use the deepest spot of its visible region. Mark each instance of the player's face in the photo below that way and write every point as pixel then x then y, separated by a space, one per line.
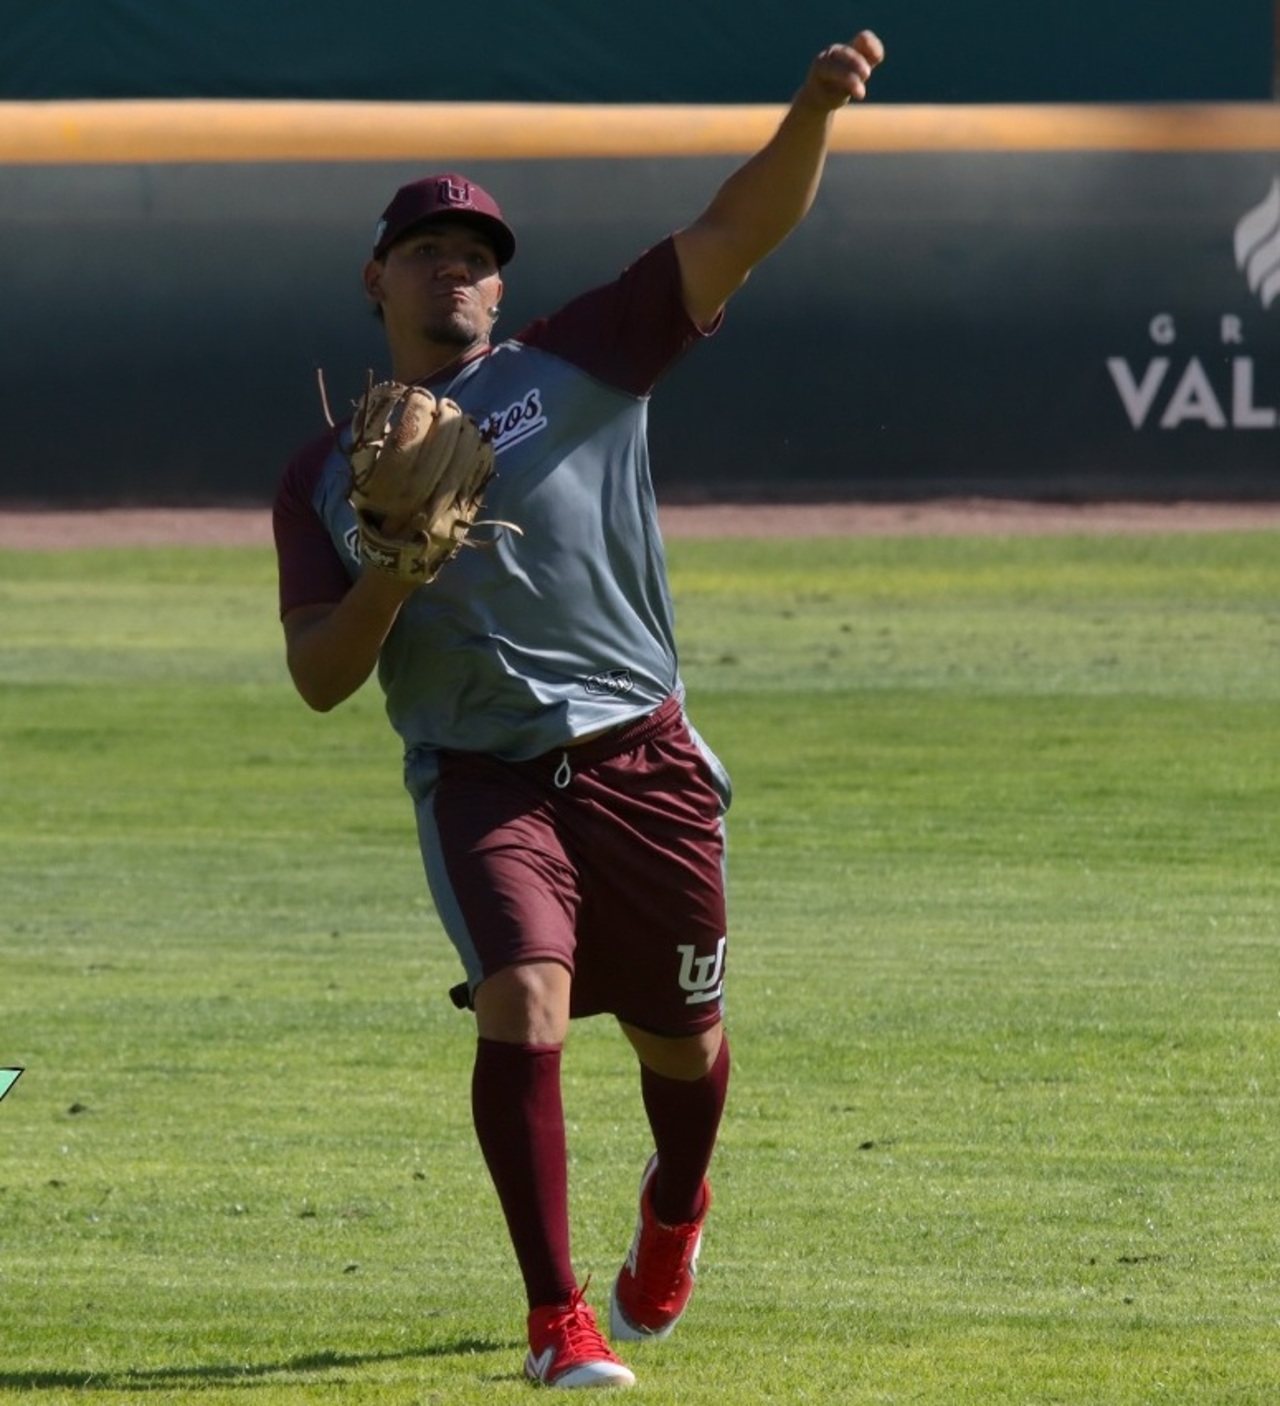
pixel 440 284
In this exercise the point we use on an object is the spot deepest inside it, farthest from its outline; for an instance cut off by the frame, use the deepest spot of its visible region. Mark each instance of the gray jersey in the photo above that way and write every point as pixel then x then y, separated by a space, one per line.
pixel 537 638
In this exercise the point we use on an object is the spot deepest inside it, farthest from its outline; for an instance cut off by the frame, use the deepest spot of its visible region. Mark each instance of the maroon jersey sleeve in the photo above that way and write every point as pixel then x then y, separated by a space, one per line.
pixel 626 333
pixel 311 571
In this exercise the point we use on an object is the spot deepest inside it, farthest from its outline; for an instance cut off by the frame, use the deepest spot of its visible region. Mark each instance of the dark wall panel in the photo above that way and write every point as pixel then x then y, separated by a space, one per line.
pixel 1072 324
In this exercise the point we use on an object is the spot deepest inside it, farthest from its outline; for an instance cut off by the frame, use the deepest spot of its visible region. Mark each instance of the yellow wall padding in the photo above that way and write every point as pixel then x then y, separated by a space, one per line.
pixel 143 131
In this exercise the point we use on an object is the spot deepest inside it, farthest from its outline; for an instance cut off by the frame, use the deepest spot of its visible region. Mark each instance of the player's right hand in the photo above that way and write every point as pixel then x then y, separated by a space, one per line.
pixel 842 71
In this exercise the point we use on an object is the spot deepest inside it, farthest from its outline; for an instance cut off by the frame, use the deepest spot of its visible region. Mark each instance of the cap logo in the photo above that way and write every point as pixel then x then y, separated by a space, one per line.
pixel 453 192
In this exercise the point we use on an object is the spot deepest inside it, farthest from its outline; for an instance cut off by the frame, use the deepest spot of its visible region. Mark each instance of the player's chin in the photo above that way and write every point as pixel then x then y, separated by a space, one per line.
pixel 459 327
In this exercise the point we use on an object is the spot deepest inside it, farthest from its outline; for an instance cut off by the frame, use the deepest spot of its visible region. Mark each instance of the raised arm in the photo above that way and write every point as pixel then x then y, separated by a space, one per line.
pixel 768 196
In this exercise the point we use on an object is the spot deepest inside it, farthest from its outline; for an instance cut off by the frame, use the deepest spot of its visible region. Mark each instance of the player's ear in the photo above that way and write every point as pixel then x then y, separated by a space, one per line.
pixel 372 280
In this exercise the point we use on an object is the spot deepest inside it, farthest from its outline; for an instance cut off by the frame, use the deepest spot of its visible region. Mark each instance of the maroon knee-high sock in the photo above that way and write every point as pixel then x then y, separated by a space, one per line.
pixel 685 1118
pixel 519 1121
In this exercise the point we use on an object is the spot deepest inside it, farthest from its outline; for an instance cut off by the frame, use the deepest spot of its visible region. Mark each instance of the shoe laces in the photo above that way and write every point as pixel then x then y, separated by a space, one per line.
pixel 665 1253
pixel 577 1323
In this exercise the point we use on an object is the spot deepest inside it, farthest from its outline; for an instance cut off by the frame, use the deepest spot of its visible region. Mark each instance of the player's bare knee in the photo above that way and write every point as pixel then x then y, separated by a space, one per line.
pixel 526 1004
pixel 685 1057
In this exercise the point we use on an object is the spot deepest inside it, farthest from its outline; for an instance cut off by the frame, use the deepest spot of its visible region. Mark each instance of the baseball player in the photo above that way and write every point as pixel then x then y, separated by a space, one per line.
pixel 570 817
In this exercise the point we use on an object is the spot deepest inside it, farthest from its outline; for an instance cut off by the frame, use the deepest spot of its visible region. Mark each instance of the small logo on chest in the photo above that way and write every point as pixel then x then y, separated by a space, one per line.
pixel 611 681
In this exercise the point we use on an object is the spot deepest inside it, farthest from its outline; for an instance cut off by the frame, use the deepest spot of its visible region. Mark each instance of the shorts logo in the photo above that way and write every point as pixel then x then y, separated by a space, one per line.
pixel 701 977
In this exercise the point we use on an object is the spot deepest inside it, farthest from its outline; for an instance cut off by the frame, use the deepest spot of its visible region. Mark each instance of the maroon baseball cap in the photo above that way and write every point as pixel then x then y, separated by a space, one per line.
pixel 448 196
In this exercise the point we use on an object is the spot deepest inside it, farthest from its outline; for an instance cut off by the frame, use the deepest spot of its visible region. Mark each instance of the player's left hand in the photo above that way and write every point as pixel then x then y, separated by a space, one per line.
pixel 842 71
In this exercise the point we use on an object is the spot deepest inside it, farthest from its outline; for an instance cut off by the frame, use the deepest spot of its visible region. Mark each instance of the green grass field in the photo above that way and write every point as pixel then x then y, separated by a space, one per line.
pixel 1004 1127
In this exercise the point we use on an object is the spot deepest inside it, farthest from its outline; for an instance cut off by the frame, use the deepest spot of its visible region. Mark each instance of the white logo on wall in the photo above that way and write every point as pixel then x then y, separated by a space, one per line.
pixel 1171 391
pixel 1258 247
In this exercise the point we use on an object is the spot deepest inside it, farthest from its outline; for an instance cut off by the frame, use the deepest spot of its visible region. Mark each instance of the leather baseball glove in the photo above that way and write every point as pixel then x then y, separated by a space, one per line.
pixel 419 466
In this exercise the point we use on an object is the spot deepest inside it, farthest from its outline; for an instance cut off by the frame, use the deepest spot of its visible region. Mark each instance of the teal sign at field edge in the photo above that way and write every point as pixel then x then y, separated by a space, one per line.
pixel 8 1078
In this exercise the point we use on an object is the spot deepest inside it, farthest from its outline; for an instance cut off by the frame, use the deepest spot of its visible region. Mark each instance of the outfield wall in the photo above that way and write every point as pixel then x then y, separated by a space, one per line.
pixel 1020 301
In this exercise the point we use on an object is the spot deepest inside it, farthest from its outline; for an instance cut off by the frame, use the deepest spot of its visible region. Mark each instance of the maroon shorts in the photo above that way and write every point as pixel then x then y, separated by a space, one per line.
pixel 607 857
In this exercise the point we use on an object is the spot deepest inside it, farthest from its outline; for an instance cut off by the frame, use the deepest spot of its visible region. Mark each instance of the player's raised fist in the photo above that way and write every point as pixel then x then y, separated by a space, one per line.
pixel 842 71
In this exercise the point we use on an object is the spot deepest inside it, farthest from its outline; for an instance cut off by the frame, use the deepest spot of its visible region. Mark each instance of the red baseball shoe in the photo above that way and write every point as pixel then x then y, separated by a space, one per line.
pixel 653 1287
pixel 567 1349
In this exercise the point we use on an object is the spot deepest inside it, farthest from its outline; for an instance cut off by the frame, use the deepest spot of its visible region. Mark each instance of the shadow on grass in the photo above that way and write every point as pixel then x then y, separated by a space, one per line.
pixel 241 1374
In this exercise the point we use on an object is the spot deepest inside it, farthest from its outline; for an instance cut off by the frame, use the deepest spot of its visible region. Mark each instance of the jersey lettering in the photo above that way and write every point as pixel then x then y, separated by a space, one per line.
pixel 521 419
